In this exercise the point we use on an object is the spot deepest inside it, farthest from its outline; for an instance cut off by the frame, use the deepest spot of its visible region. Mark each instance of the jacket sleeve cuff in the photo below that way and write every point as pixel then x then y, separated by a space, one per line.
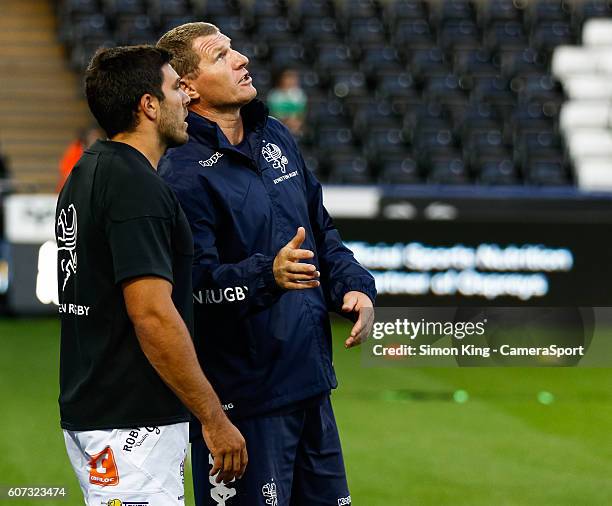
pixel 266 290
pixel 268 280
pixel 358 284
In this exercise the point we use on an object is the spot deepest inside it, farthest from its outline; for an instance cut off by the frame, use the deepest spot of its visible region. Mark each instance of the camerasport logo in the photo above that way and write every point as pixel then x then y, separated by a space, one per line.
pixel 102 469
pixel 66 232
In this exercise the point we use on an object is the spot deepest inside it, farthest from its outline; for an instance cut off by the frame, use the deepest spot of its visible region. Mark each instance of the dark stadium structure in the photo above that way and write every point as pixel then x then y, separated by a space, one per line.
pixel 406 91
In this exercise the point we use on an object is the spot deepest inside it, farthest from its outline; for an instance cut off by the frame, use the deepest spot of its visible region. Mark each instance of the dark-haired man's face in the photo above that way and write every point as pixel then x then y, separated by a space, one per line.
pixel 173 110
pixel 223 81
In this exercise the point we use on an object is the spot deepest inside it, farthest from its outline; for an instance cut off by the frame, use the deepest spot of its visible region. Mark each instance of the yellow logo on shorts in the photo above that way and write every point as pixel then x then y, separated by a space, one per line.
pixel 114 502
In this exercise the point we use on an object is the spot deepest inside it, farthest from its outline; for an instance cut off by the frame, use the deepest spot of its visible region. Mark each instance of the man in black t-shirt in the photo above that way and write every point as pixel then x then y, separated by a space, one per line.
pixel 124 278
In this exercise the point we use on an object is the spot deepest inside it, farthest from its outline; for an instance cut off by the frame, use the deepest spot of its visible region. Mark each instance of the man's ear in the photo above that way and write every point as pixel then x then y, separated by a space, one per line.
pixel 188 87
pixel 149 105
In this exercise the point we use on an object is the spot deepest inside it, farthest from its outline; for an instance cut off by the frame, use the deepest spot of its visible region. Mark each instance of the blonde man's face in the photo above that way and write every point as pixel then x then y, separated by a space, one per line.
pixel 223 81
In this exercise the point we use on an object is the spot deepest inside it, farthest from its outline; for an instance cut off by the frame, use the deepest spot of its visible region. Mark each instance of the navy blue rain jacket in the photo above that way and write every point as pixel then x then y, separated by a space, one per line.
pixel 261 347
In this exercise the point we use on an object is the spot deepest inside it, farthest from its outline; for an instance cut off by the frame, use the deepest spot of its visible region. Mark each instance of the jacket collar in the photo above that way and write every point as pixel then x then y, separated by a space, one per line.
pixel 254 116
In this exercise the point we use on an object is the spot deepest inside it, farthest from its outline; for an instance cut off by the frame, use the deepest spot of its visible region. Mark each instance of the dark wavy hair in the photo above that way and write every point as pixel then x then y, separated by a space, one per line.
pixel 117 78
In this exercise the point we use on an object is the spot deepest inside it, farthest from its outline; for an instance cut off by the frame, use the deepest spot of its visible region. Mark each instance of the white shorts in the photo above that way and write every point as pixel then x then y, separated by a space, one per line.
pixel 130 467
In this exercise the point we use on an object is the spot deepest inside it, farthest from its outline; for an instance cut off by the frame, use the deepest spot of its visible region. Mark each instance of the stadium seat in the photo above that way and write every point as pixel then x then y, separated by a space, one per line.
pixel 474 62
pixel 123 7
pixel 537 87
pixel 273 30
pixel 300 10
pixel 412 33
pixel 373 115
pixel 347 83
pixel 459 34
pixel 362 31
pixel 492 90
pixel 70 8
pixel 169 22
pixel 441 80
pixel 208 10
pixel 394 11
pixel 363 9
pixel 261 9
pixel 442 88
pixel 589 142
pixel 547 173
pixel 481 141
pixel 478 115
pixel 594 173
pixel 430 116
pixel 448 170
pixel 395 84
pixel 493 11
pixel 311 160
pixel 315 30
pixel 572 60
pixel 427 61
pixel 333 56
pixel 377 58
pixel 522 62
pixel 428 141
pixel 505 35
pixel 588 9
pixel 585 114
pixel 332 139
pixel 399 169
pixel 546 11
pixel 497 171
pixel 82 53
pixel 385 140
pixel 262 78
pixel 589 87
pixel 455 10
pixel 546 36
pixel 233 25
pixel 348 169
pixel 92 27
pixel 329 112
pixel 533 115
pixel 135 30
pixel 597 32
pixel 287 55
pixel 164 9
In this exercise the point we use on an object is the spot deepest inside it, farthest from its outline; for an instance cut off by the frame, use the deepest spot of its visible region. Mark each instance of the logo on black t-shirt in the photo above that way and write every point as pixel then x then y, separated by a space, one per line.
pixel 67 241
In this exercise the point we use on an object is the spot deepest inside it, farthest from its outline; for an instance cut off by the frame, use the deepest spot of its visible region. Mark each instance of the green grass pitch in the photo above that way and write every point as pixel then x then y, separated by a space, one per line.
pixel 406 442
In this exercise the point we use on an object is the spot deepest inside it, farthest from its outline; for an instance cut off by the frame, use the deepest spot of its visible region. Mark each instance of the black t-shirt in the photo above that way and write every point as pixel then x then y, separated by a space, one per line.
pixel 116 219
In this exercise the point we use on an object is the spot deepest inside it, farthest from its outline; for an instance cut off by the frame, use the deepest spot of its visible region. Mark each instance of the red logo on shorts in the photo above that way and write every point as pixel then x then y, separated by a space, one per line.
pixel 103 469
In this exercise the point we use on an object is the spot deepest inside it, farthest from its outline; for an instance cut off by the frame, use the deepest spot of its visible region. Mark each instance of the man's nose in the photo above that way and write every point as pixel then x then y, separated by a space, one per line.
pixel 186 98
pixel 240 60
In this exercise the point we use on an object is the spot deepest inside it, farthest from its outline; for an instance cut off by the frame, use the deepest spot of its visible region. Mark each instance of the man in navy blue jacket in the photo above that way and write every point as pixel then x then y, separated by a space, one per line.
pixel 268 267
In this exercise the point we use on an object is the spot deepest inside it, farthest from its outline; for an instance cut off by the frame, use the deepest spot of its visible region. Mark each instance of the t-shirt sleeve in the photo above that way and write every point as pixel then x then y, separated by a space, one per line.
pixel 141 247
pixel 139 222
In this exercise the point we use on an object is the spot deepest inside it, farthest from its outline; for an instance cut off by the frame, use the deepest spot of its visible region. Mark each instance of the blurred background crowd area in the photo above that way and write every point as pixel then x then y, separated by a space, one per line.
pixel 495 92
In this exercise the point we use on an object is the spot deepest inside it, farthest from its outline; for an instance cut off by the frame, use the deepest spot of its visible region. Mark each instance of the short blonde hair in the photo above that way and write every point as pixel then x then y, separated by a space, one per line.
pixel 179 43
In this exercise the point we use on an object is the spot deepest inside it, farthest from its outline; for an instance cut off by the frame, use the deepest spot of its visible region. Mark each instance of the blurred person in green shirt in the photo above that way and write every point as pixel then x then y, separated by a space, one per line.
pixel 287 101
